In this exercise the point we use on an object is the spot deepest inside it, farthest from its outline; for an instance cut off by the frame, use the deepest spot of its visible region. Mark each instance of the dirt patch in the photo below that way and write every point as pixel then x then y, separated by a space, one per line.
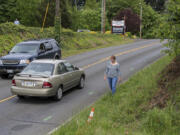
pixel 168 77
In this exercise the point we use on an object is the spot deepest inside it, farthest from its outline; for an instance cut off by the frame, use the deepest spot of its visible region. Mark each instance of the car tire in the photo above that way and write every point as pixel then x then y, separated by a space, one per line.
pixel 20 97
pixel 81 83
pixel 4 76
pixel 59 94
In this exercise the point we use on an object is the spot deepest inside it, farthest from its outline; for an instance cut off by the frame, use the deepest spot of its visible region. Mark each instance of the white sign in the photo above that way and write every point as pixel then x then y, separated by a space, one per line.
pixel 118 23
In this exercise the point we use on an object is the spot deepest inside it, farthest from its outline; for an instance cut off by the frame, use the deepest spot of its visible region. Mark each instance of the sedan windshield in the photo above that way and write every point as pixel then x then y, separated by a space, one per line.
pixel 44 69
pixel 25 48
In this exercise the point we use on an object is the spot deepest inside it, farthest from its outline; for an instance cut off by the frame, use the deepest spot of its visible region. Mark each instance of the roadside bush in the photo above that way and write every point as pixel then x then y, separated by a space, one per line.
pixel 151 21
pixel 90 19
pixel 7 28
pixel 134 36
pixel 129 34
pixel 108 32
pixel 93 32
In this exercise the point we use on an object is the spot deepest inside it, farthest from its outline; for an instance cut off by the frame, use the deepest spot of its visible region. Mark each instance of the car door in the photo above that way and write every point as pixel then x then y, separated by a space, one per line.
pixel 64 76
pixel 50 53
pixel 42 52
pixel 74 76
pixel 56 48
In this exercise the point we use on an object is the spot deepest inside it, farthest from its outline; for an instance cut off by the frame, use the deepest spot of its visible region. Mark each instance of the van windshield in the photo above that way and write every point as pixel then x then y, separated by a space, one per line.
pixel 39 69
pixel 25 48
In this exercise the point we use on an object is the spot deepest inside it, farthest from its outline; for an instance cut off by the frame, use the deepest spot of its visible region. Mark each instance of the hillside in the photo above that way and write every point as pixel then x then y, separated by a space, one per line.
pixel 72 42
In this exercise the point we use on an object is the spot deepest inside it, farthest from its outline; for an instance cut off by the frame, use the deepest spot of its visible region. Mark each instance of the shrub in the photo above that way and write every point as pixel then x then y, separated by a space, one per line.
pixel 93 32
pixel 108 32
pixel 128 34
pixel 132 20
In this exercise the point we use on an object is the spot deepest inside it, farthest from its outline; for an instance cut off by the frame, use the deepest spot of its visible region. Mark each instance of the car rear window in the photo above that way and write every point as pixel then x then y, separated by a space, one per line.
pixel 39 69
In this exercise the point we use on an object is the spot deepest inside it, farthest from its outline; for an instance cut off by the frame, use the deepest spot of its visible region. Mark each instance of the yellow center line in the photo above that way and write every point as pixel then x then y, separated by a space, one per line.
pixel 119 54
pixel 98 62
pixel 7 99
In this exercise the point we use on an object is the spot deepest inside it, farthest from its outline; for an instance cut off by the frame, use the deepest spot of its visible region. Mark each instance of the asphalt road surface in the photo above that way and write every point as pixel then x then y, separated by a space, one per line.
pixel 38 116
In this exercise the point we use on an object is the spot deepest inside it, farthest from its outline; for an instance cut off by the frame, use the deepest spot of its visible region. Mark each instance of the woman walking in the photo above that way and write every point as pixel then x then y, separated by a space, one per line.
pixel 112 73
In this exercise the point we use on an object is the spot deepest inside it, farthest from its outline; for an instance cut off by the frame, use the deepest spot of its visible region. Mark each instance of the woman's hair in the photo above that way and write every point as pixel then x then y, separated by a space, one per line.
pixel 113 57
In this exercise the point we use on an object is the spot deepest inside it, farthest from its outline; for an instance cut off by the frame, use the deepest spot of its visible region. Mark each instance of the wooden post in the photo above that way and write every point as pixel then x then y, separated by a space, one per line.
pixel 103 17
pixel 141 20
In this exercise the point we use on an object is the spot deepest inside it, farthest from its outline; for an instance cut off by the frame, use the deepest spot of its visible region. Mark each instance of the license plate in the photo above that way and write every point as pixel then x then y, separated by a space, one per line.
pixel 28 84
pixel 10 71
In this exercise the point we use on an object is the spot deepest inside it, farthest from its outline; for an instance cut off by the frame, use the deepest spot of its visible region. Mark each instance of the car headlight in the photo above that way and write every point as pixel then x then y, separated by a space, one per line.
pixel 24 61
pixel 1 62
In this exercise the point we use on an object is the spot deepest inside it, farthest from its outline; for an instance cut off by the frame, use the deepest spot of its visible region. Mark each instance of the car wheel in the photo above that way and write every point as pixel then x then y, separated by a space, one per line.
pixel 59 94
pixel 4 76
pixel 81 83
pixel 20 97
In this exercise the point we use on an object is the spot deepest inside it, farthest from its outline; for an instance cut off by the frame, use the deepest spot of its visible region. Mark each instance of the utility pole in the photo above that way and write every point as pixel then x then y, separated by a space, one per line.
pixel 141 12
pixel 103 16
pixel 124 25
pixel 57 21
pixel 57 8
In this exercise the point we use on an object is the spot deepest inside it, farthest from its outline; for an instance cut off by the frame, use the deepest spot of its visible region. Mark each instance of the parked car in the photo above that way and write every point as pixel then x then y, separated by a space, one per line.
pixel 83 30
pixel 25 52
pixel 47 78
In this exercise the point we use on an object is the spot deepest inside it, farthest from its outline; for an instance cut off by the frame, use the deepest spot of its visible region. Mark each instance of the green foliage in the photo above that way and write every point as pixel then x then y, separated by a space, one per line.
pixel 170 27
pixel 7 10
pixel 90 19
pixel 27 12
pixel 129 34
pixel 158 5
pixel 151 21
pixel 31 13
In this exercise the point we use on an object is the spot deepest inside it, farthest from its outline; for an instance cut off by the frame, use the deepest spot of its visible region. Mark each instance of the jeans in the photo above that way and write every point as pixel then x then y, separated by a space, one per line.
pixel 112 83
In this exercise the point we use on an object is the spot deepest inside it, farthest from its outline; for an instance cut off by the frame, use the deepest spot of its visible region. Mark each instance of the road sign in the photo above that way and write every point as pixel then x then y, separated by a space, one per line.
pixel 118 23
pixel 118 27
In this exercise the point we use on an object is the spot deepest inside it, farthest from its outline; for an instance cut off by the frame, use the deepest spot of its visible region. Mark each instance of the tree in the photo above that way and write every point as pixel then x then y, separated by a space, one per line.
pixel 66 17
pixel 7 10
pixel 132 20
pixel 27 12
pixel 158 5
pixel 170 29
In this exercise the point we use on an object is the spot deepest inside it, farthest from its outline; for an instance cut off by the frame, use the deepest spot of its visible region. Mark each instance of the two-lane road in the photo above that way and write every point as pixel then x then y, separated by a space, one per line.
pixel 35 116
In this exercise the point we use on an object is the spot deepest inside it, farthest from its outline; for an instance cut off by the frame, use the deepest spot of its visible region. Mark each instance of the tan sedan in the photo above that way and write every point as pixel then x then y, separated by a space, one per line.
pixel 47 78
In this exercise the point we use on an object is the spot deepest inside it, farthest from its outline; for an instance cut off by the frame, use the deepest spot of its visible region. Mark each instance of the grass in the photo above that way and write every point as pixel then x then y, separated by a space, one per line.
pixel 83 42
pixel 72 42
pixel 126 113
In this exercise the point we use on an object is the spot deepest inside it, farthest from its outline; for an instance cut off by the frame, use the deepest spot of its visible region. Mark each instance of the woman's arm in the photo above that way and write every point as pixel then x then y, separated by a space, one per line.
pixel 106 72
pixel 119 73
